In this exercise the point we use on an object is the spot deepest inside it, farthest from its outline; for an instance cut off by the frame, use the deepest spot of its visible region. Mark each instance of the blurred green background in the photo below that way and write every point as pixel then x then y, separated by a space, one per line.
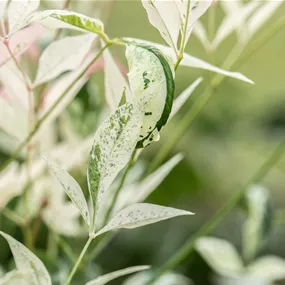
pixel 239 127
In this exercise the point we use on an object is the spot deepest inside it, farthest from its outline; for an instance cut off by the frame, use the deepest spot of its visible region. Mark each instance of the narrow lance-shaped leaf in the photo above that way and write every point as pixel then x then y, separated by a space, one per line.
pixel 258 223
pixel 26 260
pixel 115 82
pixel 271 268
pixel 141 214
pixel 152 85
pixel 114 143
pixel 18 11
pixel 62 55
pixel 190 15
pixel 220 255
pixel 194 62
pixel 71 188
pixel 59 19
pixel 104 279
pixel 233 21
pixel 183 97
pixel 2 7
pixel 164 16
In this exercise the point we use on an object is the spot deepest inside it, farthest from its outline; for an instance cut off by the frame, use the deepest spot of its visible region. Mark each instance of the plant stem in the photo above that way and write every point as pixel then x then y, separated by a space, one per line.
pixel 189 246
pixel 19 149
pixel 198 105
pixel 122 182
pixel 75 267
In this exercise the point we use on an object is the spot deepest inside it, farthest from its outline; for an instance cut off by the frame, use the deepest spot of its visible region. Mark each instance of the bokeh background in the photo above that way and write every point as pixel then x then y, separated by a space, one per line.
pixel 232 136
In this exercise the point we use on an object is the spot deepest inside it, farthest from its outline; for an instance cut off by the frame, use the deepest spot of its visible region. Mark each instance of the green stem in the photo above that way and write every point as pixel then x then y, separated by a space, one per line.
pixel 75 267
pixel 122 182
pixel 19 149
pixel 189 246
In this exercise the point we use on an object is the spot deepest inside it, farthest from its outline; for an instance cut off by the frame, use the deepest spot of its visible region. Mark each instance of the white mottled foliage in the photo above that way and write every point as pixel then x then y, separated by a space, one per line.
pixel 220 255
pixel 18 12
pixel 164 16
pixel 115 82
pixel 26 260
pixel 114 143
pixel 71 188
pixel 62 55
pixel 139 215
pixel 104 279
pixel 148 85
pixel 194 62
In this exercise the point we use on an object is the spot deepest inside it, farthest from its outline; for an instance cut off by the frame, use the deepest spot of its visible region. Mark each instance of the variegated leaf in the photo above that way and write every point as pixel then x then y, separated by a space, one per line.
pixel 114 143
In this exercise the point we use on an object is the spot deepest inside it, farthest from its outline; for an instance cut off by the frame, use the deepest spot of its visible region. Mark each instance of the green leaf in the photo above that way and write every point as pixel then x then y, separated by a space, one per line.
pixel 104 279
pixel 220 255
pixel 59 19
pixel 114 143
pixel 258 223
pixel 139 215
pixel 26 260
pixel 71 188
pixel 152 84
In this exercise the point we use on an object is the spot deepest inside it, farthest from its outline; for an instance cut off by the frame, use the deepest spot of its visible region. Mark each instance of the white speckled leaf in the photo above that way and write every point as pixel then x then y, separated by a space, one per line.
pixel 164 16
pixel 114 143
pixel 115 82
pixel 271 268
pixel 60 19
pixel 220 255
pixel 62 55
pixel 258 222
pixel 149 86
pixel 141 214
pixel 18 12
pixel 26 260
pixel 183 97
pixel 104 279
pixel 71 188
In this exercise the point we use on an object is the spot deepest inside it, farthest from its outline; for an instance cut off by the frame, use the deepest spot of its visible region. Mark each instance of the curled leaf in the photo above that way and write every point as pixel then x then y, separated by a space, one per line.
pixel 152 84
